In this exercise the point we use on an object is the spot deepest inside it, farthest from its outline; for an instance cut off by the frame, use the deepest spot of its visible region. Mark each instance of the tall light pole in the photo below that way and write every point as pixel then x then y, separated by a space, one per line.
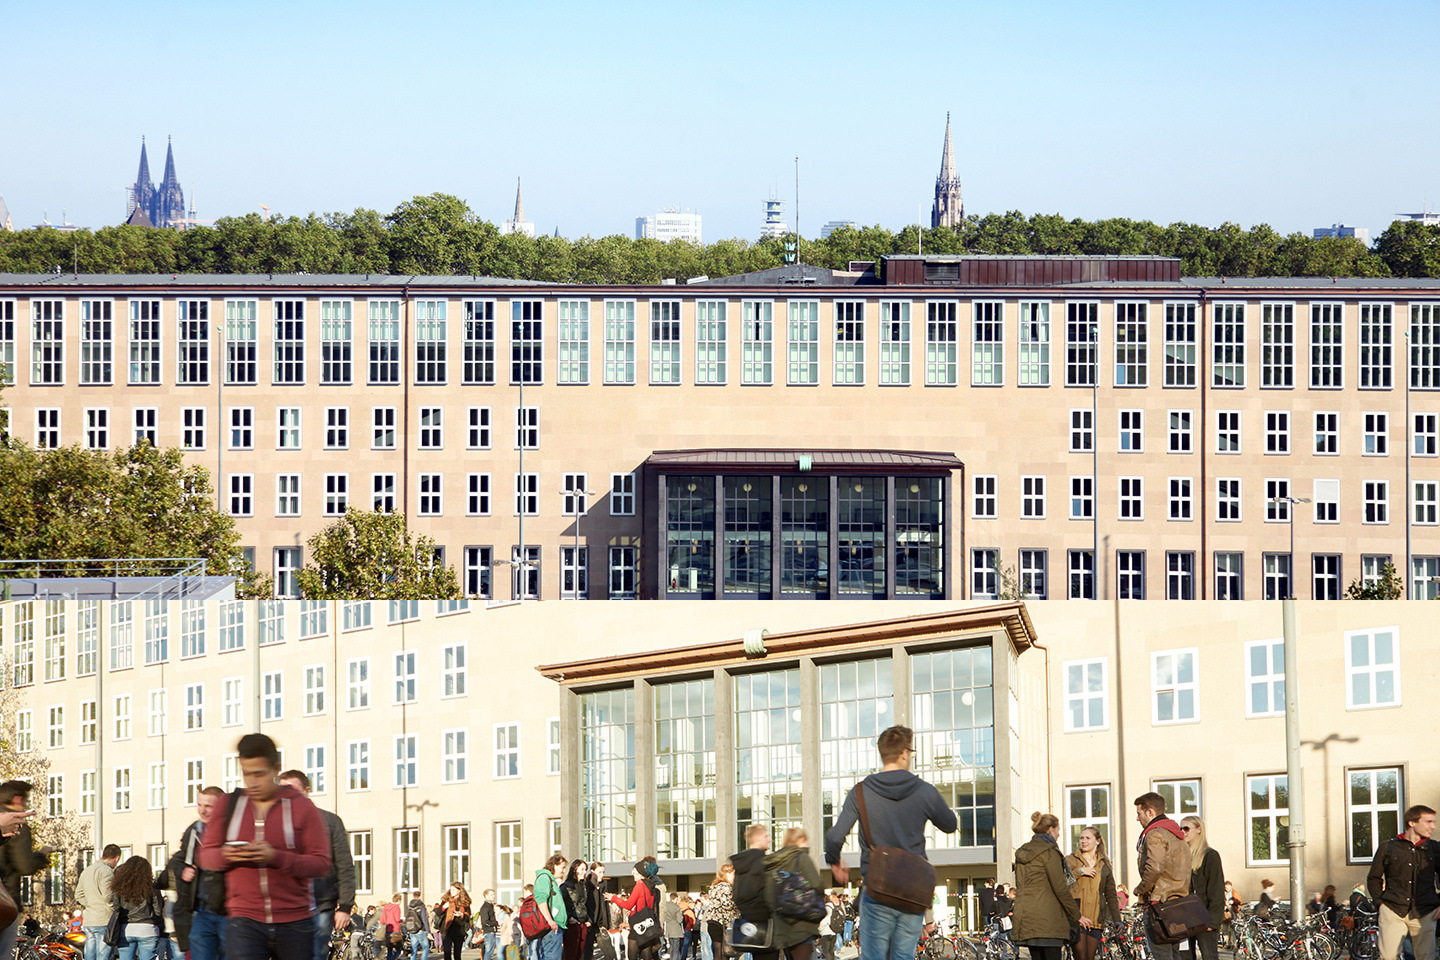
pixel 1290 510
pixel 1095 460
pixel 1408 434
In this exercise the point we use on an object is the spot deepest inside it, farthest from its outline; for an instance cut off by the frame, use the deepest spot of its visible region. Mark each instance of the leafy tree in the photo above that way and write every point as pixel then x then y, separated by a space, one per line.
pixel 371 555
pixel 1410 249
pixel 136 503
pixel 1388 586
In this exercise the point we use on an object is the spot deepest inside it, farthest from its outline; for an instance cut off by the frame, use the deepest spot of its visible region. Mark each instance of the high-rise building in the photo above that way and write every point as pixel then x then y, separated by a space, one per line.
pixel 834 225
pixel 949 209
pixel 518 223
pixel 1343 230
pixel 164 207
pixel 774 225
pixel 669 224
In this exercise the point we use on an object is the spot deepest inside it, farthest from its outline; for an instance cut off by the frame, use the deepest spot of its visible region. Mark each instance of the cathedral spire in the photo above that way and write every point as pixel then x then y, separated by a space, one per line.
pixel 143 177
pixel 142 194
pixel 947 159
pixel 949 210
pixel 170 163
pixel 519 203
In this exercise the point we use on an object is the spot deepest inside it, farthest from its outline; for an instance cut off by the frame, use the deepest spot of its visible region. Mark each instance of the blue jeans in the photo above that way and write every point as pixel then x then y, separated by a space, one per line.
pixel 548 946
pixel 137 948
pixel 492 946
pixel 95 948
pixel 207 935
pixel 419 946
pixel 849 929
pixel 324 926
pixel 248 939
pixel 887 933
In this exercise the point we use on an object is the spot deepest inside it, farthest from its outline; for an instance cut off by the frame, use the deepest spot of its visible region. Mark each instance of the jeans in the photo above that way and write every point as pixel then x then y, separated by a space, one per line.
pixel 95 948
pixel 7 940
pixel 248 939
pixel 890 934
pixel 548 946
pixel 419 946
pixel 1205 946
pixel 492 946
pixel 135 948
pixel 324 926
pixel 849 930
pixel 207 935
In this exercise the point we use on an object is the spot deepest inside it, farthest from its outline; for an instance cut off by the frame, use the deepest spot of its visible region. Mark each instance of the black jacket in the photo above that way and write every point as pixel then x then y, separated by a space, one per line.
pixel 749 885
pixel 336 890
pixel 987 902
pixel 1402 876
pixel 488 922
pixel 19 859
pixel 210 882
pixel 1208 883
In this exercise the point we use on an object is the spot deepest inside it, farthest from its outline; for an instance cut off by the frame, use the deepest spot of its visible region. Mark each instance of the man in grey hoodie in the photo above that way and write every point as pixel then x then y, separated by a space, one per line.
pixel 898 805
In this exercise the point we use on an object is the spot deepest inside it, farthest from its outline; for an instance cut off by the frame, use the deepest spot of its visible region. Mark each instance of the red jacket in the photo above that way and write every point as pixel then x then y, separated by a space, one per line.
pixel 279 892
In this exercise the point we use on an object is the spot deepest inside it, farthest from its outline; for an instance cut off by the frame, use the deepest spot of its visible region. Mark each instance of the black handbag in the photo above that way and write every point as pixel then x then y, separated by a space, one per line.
pixel 1179 918
pixel 645 922
pixel 115 928
pixel 897 877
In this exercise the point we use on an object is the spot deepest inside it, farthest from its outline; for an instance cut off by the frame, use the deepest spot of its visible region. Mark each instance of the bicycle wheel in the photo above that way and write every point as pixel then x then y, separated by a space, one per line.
pixel 1365 944
pixel 1003 948
pixel 939 948
pixel 966 949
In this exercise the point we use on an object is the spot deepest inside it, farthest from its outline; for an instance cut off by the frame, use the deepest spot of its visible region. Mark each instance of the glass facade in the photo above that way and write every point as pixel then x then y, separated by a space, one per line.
pixel 861 509
pixel 857 702
pixel 607 775
pixel 690 534
pixel 767 753
pixel 953 716
pixel 804 535
pixel 685 769
pixel 748 520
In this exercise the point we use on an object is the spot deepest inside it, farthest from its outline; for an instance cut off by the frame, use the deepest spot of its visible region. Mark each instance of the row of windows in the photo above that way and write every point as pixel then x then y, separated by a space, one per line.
pixel 1030 578
pixel 1374 800
pixel 1180 504
pixel 1239 335
pixel 1276 425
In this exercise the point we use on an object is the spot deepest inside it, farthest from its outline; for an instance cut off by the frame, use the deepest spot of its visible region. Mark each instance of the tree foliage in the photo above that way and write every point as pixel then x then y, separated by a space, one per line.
pixel 135 503
pixel 1388 586
pixel 439 234
pixel 371 555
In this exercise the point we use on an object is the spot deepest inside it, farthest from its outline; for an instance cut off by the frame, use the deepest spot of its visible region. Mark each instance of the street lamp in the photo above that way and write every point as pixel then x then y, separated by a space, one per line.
pixel 582 503
pixel 1291 511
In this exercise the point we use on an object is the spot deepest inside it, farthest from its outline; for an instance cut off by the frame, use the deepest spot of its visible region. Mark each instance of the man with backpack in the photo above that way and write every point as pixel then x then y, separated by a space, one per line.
pixel 334 893
pixel 199 911
pixel 417 927
pixel 551 906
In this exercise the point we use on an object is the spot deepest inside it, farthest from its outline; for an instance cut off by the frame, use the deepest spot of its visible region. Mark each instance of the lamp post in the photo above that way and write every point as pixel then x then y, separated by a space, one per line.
pixel 1291 512
pixel 1095 460
pixel 582 503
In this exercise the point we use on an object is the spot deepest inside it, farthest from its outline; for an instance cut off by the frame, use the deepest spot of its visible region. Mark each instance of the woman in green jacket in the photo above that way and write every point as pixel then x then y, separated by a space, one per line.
pixel 791 934
pixel 1047 915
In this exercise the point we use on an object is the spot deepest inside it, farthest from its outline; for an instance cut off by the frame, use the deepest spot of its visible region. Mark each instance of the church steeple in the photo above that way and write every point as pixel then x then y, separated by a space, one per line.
pixel 169 199
pixel 142 194
pixel 519 203
pixel 949 209
pixel 518 223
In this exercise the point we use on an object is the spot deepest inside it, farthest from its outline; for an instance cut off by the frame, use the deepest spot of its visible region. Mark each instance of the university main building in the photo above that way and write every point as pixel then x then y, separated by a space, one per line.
pixel 925 427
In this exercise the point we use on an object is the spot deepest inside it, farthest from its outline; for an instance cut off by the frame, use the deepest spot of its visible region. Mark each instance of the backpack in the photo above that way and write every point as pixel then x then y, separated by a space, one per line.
pixel 532 921
pixel 795 899
pixel 837 919
pixel 413 921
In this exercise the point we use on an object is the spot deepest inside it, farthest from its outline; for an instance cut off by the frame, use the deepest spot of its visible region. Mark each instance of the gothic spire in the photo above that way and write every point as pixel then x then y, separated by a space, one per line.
pixel 143 177
pixel 170 164
pixel 947 159
pixel 949 209
pixel 519 203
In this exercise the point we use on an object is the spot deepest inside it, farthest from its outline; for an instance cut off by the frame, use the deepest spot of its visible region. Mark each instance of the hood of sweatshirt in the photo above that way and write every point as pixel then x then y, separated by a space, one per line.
pixel 893 784
pixel 1037 847
pixel 784 858
pixel 1163 823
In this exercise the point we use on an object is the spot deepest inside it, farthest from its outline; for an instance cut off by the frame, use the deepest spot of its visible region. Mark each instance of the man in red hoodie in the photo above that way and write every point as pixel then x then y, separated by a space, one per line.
pixel 271 842
pixel 1165 862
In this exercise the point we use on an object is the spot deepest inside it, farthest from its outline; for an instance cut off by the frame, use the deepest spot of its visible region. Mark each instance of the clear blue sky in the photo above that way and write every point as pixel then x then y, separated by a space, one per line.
pixel 1287 113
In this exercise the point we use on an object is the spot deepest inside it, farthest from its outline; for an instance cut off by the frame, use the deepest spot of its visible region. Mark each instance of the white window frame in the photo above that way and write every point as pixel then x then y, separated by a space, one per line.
pixel 1175 687
pixel 1084 672
pixel 1273 679
pixel 506 752
pixel 1370 670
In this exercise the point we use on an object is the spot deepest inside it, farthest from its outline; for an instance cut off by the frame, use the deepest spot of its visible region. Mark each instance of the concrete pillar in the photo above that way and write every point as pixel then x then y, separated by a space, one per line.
pixel 644 768
pixel 810 722
pixel 570 773
pixel 726 843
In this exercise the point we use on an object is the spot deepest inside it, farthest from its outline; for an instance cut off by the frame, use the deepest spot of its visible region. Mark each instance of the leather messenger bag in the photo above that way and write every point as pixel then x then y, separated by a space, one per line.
pixel 1178 918
pixel 896 877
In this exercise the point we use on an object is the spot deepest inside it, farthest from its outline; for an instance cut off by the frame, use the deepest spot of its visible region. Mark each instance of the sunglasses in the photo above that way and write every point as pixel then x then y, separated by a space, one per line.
pixel 1184 829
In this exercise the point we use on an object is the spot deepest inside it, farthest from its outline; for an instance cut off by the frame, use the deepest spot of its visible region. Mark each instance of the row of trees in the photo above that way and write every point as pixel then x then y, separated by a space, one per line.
pixel 439 234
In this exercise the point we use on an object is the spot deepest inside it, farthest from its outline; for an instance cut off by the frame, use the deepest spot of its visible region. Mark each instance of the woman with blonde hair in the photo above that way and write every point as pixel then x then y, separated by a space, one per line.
pixel 1094 889
pixel 1207 881
pixel 1047 916
pixel 794 936
pixel 720 911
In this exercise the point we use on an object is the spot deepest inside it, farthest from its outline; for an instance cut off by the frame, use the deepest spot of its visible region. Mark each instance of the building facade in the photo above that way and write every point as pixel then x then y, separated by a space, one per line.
pixel 669 224
pixel 946 427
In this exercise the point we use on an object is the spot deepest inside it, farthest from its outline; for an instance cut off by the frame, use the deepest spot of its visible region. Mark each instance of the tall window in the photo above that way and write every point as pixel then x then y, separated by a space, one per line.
pixel 1087 694
pixel 623 571
pixel 1327 346
pixel 406 763
pixel 856 697
pixel 1082 574
pixel 1180 505
pixel 1034 582
pixel 1132 431
pixel 1180 434
pixel 1082 498
pixel 47 342
pixel 1032 498
pixel 1268 815
pixel 1081 335
pixel 665 343
pixel 803 342
pixel 1424 439
pixel 478 360
pixel 1277 576
pixel 289 341
pixel 336 336
pixel 1132 345
pixel 1265 678
pixel 241 331
pixel 620 341
pixel 527 341
pixel 1034 344
pixel 192 362
pixel 1227 431
pixel 457 853
pixel 509 871
pixel 1277 432
pixel 987 359
pixel 7 342
pixel 1229 581
pixel 1180 338
pixel 942 344
pixel 711 341
pixel 1376 346
pixel 1179 575
pixel 1277 502
pixel 97 341
pixel 1175 686
pixel 895 343
pixel 757 342
pixel 1425 502
pixel 1376 501
pixel 1377 435
pixel 1277 345
pixel 849 342
pixel 506 755
pixel 454 756
pixel 1087 806
pixel 686 819
pixel 608 799
pixel 384 330
pixel 1374 803
pixel 1228 345
pixel 1132 498
pixel 1082 430
pixel 1372 668
pixel 97 428
pixel 984 501
pixel 767 751
pixel 573 364
pixel 1130 574
pixel 144 341
pixel 407 859
pixel 984 573
pixel 192 428
pixel 1327 434
pixel 430 340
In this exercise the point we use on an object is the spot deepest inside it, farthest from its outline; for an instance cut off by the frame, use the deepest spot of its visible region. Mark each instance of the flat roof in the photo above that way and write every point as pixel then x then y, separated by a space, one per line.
pixel 789 460
pixel 119 588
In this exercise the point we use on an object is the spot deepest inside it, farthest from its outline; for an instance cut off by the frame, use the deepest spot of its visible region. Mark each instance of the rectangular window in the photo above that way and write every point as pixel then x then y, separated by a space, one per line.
pixel 431 340
pixel 1277 501
pixel 289 341
pixel 47 428
pixel 620 342
pixel 242 428
pixel 527 428
pixel 1179 575
pixel 1229 579
pixel 1132 498
pixel 1327 346
pixel 122 641
pixel 1082 431
pixel 454 756
pixel 241 331
pixel 1268 815
pixel 1180 340
pixel 232 710
pixel 1372 668
pixel 1180 432
pixel 987 352
pixel 984 502
pixel 507 751
pixel 24 731
pixel 192 338
pixel 1130 574
pixel 1082 574
pixel 383 324
pixel 478 360
pixel 1034 584
pixel 803 340
pixel 145 432
pixel 122 790
pixel 477 428
pixel 574 496
pixel 288 429
pixel 407 748
pixel 1032 498
pixel 477 571
pixel 336 341
pixel 665 342
pixel 432 428
pixel 357 683
pixel 195 706
pixel 1376 346
pixel 405 677
pixel 87 792
pixel 1277 345
pixel 432 502
pixel 1228 351
pixel 337 494
pixel 97 342
pixel 362 853
pixel 272 701
pixel 192 428
pixel 942 338
pixel 382 492
pixel 314 618
pixel 1227 431
pixel 984 573
pixel 47 342
pixel 1132 431
pixel 527 494
pixel 1377 435
pixel 1376 501
pixel 1082 333
pixel 477 495
pixel 144 342
pixel 7 342
pixel 1423 442
pixel 757 342
pixel 1082 498
pixel 56 729
pixel 1180 505
pixel 1182 797
pixel 1087 694
pixel 382 421
pixel 711 342
pixel 509 872
pixel 87 638
pixel 1175 689
pixel 527 341
pixel 623 570
pixel 241 490
pixel 337 428
pixel 97 428
pixel 1087 807
pixel 315 767
pixel 315 690
pixel 357 770
pixel 573 364
pixel 895 343
pixel 287 495
pixel 553 748
pixel 1277 433
pixel 1132 345
pixel 1373 805
pixel 1327 501
pixel 1034 344
pixel 849 342
pixel 1277 576
pixel 1265 678
pixel 1327 434
pixel 355 615
pixel 452 673
pixel 1425 503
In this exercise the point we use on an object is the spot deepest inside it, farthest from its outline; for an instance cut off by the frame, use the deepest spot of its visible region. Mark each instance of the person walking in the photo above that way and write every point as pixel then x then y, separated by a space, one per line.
pixel 794 935
pixel 392 919
pixel 552 907
pixel 1401 881
pixel 1266 903
pixel 1047 915
pixel 720 910
pixel 1094 890
pixel 454 920
pixel 579 911
pixel 898 805
pixel 751 903
pixel 92 892
pixel 1164 863
pixel 199 910
pixel 133 890
pixel 416 923
pixel 19 860
pixel 271 842
pixel 1207 881
pixel 334 892
pixel 489 926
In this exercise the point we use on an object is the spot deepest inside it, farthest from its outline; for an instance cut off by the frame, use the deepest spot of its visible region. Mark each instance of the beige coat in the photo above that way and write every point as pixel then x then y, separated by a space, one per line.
pixel 92 892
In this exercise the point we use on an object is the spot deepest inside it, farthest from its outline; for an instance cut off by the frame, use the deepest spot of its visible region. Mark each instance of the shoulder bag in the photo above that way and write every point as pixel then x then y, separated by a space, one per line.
pixel 1178 918
pixel 645 922
pixel 896 877
pixel 115 928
